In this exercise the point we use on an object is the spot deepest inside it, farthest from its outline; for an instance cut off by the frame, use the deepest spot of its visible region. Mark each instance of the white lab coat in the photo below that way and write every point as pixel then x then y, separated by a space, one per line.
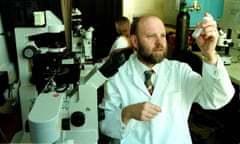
pixel 176 89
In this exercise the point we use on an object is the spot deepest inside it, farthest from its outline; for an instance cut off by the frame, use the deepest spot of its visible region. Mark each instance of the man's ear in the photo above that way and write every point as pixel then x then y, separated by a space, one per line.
pixel 134 42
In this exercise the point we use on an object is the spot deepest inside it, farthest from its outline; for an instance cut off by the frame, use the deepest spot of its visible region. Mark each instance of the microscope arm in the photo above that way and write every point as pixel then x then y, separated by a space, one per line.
pixel 117 58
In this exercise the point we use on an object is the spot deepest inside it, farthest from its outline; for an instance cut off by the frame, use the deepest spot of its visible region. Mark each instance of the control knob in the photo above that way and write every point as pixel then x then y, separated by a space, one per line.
pixel 77 118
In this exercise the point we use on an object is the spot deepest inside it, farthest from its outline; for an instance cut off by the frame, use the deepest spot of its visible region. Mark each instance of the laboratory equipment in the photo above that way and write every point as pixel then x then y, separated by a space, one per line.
pixel 183 19
pixel 231 19
pixel 26 48
pixel 197 8
pixel 224 44
pixel 68 116
pixel 58 99
pixel 74 110
pixel 81 37
pixel 57 92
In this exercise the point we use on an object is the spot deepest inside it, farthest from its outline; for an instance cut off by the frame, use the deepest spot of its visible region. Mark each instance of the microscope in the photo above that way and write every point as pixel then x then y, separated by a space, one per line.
pixel 82 39
pixel 223 45
pixel 58 98
pixel 58 92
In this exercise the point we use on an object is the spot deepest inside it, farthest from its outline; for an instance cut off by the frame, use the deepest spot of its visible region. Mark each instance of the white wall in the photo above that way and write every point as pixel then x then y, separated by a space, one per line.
pixel 133 8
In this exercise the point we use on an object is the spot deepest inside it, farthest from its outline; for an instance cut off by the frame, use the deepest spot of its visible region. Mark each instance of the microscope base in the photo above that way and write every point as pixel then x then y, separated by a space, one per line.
pixel 227 59
pixel 84 101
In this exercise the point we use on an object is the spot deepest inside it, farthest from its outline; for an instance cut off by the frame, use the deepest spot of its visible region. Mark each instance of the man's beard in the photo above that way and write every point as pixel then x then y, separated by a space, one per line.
pixel 152 58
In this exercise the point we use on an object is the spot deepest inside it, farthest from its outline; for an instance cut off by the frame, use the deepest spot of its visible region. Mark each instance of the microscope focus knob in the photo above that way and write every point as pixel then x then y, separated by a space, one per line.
pixel 29 51
pixel 78 118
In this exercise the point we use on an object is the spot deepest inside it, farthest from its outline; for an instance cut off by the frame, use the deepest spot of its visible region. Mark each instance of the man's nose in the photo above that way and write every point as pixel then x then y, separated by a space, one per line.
pixel 159 40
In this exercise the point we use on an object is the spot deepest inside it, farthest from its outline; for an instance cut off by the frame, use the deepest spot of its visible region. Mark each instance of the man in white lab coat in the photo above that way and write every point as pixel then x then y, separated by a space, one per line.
pixel 134 116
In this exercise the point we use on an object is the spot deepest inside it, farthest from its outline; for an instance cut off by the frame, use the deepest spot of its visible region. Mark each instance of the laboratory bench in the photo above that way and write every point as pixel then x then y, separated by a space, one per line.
pixel 234 68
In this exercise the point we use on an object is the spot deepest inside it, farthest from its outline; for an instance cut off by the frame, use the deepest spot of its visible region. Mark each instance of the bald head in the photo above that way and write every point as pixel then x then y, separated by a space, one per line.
pixel 141 22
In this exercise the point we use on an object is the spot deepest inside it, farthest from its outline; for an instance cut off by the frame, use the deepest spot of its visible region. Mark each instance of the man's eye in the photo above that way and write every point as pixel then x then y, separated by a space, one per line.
pixel 155 36
pixel 163 35
pixel 151 36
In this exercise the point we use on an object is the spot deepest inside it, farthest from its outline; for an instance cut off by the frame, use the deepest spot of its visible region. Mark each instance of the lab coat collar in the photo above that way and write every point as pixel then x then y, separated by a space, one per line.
pixel 137 75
